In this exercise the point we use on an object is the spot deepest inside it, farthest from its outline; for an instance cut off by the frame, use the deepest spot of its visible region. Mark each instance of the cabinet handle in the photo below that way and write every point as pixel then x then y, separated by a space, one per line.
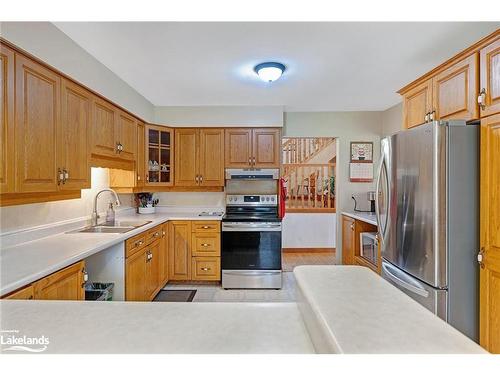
pixel 163 233
pixel 205 227
pixel 60 176
pixel 201 179
pixel 85 277
pixel 117 147
pixel 253 161
pixel 65 176
pixel 138 177
pixel 196 179
pixel 352 226
pixel 481 99
pixel 205 244
pixel 426 118
pixel 250 161
pixel 156 234
pixel 205 268
pixel 138 243
pixel 480 257
pixel 431 115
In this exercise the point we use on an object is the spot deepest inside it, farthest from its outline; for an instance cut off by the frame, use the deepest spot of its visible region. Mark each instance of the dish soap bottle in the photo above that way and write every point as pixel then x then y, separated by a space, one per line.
pixel 110 214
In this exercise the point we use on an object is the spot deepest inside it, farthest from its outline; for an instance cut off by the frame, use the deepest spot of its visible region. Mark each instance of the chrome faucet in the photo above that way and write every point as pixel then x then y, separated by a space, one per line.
pixel 95 215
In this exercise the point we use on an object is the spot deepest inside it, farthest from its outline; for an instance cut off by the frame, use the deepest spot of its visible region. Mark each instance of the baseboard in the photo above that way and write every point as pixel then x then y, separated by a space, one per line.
pixel 308 249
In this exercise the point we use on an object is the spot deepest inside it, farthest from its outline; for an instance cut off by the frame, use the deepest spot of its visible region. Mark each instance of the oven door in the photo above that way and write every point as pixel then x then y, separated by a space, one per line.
pixel 251 246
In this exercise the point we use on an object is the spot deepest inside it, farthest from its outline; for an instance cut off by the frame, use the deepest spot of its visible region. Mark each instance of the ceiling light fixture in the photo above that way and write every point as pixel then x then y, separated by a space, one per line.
pixel 269 71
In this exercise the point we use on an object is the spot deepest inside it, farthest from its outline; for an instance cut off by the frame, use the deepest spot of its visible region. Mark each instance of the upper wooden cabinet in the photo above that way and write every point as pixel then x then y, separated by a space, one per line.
pixel 37 123
pixel 417 103
pixel 159 162
pixel 489 61
pixel 140 160
pixel 7 162
pixel 199 157
pixel 455 91
pixel 252 148
pixel 74 136
pixel 127 139
pixel 67 284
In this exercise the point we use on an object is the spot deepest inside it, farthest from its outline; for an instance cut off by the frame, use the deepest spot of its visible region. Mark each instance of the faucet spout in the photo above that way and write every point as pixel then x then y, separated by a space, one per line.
pixel 95 215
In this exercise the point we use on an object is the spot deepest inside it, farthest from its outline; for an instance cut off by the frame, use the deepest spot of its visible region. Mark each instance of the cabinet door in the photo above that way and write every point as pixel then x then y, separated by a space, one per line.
pixel 164 255
pixel 489 272
pixel 25 293
pixel 158 165
pixel 416 103
pixel 347 240
pixel 67 284
pixel 127 136
pixel 266 148
pixel 139 161
pixel 489 58
pixel 186 157
pixel 153 269
pixel 7 162
pixel 104 129
pixel 238 148
pixel 37 121
pixel 74 137
pixel 179 259
pixel 211 157
pixel 455 91
pixel 135 276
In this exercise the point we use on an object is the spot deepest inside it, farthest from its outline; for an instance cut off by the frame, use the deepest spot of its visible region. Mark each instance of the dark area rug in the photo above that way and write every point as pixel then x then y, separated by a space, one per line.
pixel 175 295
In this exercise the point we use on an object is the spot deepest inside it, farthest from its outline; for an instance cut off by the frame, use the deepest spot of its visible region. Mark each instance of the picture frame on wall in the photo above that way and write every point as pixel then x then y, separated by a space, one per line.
pixel 361 152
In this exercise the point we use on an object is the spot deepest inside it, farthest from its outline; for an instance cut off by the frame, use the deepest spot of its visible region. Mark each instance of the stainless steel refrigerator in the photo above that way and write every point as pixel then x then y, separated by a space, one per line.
pixel 427 206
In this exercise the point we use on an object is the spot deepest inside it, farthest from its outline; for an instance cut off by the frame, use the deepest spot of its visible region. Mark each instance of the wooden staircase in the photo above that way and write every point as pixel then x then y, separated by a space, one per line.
pixel 301 150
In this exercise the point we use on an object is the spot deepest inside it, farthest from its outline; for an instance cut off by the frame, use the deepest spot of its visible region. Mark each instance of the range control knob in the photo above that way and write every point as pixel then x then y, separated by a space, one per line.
pixel 267 199
pixel 272 199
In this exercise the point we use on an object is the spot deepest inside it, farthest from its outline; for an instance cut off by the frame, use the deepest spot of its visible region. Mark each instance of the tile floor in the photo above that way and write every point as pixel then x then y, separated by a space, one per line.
pixel 215 293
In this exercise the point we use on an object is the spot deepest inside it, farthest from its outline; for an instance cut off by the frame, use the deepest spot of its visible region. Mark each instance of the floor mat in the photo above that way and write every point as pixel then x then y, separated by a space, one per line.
pixel 175 296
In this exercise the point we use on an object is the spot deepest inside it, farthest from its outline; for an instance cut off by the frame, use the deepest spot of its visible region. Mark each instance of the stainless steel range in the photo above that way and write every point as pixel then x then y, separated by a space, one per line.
pixel 251 242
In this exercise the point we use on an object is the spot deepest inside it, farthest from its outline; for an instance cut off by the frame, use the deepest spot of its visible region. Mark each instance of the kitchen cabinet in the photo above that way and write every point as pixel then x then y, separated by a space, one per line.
pixel 489 235
pixel 417 104
pixel 205 244
pixel 37 91
pixel 489 62
pixel 179 259
pixel 27 292
pixel 199 157
pixel 7 161
pixel 252 147
pixel 74 137
pixel 153 269
pixel 140 166
pixel 455 91
pixel 114 132
pixel 205 268
pixel 347 240
pixel 135 275
pixel 66 284
pixel 163 256
pixel 159 164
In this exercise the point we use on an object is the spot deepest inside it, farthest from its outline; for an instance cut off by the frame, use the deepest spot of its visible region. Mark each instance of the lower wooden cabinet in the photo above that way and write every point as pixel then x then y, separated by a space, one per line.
pixel 205 268
pixel 146 264
pixel 24 293
pixel 179 256
pixel 347 240
pixel 351 254
pixel 66 284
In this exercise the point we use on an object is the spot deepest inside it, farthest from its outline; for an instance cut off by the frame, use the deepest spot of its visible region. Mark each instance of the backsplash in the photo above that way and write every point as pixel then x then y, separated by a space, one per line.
pixel 37 214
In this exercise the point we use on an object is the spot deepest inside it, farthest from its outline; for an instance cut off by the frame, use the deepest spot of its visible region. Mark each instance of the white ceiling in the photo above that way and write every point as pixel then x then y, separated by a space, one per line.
pixel 330 66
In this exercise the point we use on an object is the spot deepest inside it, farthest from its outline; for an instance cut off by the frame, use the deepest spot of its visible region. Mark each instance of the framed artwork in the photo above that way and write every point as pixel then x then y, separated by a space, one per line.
pixel 361 152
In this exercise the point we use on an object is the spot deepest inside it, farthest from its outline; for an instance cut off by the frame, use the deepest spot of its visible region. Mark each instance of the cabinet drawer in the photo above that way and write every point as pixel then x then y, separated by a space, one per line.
pixel 133 244
pixel 154 234
pixel 205 244
pixel 206 226
pixel 205 268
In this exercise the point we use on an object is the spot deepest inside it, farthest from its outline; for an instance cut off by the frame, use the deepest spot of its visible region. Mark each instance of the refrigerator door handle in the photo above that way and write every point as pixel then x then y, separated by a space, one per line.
pixel 382 226
pixel 406 285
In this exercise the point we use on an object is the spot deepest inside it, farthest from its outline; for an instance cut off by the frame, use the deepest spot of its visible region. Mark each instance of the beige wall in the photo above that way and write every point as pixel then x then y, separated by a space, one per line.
pixel 220 116
pixel 347 127
pixel 48 43
pixel 392 119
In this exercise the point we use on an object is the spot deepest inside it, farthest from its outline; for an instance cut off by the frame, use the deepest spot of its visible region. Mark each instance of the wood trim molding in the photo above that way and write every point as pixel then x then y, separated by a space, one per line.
pixel 311 210
pixel 309 250
pixel 461 55
pixel 13 199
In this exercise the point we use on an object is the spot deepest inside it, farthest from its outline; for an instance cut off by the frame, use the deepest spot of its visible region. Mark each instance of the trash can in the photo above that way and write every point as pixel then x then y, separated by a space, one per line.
pixel 99 291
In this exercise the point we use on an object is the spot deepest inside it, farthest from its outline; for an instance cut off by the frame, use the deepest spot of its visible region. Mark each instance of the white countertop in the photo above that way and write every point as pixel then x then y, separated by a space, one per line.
pixel 159 327
pixel 29 261
pixel 350 309
pixel 367 217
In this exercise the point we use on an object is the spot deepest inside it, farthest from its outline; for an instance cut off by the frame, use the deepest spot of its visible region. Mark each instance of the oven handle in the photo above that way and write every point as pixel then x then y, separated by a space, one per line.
pixel 252 273
pixel 251 227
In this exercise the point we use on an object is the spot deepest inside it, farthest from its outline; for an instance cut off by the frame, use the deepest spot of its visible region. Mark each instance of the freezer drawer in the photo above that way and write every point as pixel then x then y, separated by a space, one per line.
pixel 435 300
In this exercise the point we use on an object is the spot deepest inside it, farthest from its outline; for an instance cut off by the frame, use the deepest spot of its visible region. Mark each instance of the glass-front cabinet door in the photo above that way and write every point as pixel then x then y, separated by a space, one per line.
pixel 159 152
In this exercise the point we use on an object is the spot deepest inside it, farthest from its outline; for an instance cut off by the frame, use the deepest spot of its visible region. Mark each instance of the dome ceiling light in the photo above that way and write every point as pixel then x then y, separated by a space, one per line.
pixel 269 71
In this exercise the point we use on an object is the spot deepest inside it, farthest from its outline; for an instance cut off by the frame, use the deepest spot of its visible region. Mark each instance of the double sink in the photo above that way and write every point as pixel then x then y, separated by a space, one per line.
pixel 117 227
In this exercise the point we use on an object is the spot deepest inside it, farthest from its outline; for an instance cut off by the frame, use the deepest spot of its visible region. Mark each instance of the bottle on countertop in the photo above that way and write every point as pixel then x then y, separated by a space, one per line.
pixel 110 214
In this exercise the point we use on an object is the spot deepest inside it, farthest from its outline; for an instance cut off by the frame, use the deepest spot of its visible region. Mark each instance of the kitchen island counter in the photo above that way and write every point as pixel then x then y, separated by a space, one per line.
pixel 350 309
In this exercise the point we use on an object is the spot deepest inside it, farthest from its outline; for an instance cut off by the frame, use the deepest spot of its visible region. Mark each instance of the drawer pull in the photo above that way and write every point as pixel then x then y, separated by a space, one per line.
pixel 205 244
pixel 205 268
pixel 206 227
pixel 156 234
pixel 138 243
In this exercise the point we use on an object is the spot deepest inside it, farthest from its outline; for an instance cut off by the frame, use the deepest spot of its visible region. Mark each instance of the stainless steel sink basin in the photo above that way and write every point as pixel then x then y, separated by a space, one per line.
pixel 118 227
